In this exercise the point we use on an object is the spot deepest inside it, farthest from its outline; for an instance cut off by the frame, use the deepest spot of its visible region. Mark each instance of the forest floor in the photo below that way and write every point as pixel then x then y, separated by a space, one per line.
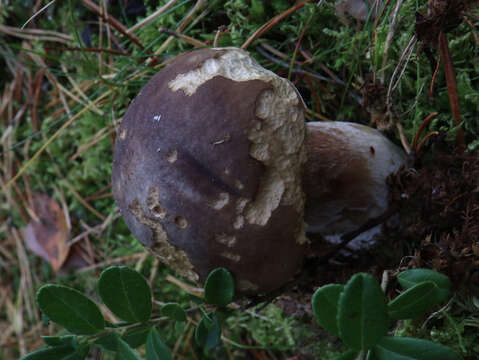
pixel 69 70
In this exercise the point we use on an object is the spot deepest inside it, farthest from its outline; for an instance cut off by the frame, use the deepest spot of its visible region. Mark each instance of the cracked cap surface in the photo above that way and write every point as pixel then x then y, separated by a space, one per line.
pixel 207 167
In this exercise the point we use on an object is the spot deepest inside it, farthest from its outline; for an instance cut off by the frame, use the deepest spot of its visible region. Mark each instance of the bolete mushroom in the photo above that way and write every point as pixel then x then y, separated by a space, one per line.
pixel 345 179
pixel 207 169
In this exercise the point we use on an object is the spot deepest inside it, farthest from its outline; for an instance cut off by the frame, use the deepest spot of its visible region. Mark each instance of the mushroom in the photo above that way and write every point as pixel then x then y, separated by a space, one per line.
pixel 207 169
pixel 345 179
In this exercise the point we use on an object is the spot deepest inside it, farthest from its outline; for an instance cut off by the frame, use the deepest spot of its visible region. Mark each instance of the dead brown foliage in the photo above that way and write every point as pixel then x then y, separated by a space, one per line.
pixel 440 215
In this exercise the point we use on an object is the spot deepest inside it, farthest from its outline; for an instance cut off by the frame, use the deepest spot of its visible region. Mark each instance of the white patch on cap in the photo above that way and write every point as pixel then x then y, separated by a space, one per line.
pixel 277 138
pixel 239 222
pixel 172 156
pixel 153 203
pixel 239 185
pixel 235 64
pixel 231 256
pixel 240 206
pixel 221 202
pixel 228 240
pixel 268 198
pixel 173 256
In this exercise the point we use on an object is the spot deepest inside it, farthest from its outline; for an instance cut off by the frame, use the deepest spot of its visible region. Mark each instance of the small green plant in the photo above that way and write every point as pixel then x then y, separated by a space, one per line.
pixel 359 314
pixel 127 295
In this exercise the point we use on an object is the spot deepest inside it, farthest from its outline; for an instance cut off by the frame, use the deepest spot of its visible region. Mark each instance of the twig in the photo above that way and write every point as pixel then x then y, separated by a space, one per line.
pixel 193 290
pixel 37 85
pixel 83 202
pixel 297 47
pixel 473 32
pixel 274 51
pixel 120 27
pixel 297 69
pixel 184 23
pixel 390 35
pixel 93 50
pixel 37 13
pixel 443 309
pixel 266 27
pixel 179 341
pixel 26 283
pixel 317 115
pixel 220 32
pixel 392 86
pixel 39 32
pixel 185 38
pixel 99 194
pixel 77 88
pixel 434 75
pixel 402 137
pixel 451 87
pixel 424 139
pixel 111 261
pixel 96 138
pixel 98 229
pixel 379 16
pixel 424 123
pixel 151 17
pixel 25 34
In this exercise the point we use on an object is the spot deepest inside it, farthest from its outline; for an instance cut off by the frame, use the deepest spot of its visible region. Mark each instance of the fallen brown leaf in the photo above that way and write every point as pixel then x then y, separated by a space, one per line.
pixel 48 237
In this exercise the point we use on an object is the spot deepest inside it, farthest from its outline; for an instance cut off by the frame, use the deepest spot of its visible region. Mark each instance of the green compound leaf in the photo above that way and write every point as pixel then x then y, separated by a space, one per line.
pixel 325 306
pixel 391 348
pixel 415 301
pixel 412 277
pixel 124 351
pixel 126 293
pixel 136 337
pixel 63 352
pixel 208 332
pixel 180 327
pixel 155 348
pixel 80 353
pixel 362 313
pixel 107 342
pixel 173 311
pixel 219 287
pixel 70 309
pixel 70 340
pixel 50 353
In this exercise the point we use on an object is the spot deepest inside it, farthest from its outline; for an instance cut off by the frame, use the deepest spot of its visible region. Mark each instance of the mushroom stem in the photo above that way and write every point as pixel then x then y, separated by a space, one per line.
pixel 345 178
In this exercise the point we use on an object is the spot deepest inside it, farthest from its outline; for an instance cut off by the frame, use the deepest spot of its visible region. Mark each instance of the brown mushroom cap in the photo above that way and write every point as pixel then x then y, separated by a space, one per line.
pixel 207 166
pixel 345 179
